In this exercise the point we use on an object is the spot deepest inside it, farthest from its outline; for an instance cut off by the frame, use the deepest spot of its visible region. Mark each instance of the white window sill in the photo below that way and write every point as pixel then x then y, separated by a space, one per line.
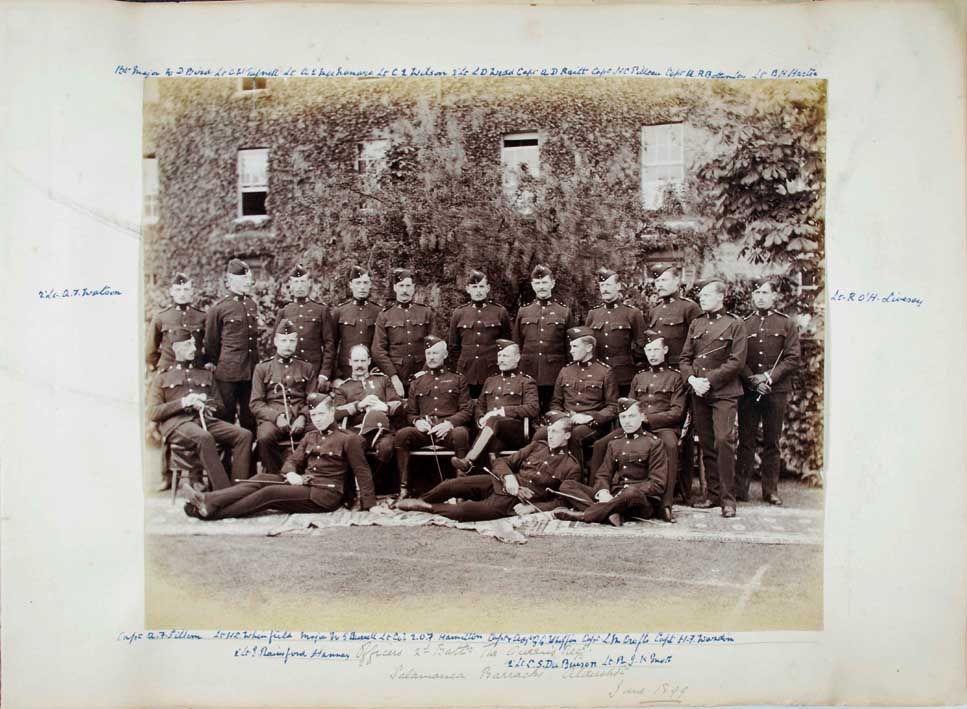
pixel 253 219
pixel 251 92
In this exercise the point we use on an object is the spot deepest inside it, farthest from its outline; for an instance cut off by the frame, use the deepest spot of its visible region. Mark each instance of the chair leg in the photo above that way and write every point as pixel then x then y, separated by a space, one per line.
pixel 175 476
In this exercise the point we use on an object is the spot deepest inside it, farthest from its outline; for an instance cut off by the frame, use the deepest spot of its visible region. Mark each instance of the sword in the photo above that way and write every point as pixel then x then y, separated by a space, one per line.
pixel 283 482
pixel 288 419
pixel 581 499
pixel 500 480
pixel 774 365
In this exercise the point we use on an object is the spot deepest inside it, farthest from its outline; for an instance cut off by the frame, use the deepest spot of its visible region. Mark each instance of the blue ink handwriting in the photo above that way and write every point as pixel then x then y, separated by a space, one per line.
pixel 56 293
pixel 890 298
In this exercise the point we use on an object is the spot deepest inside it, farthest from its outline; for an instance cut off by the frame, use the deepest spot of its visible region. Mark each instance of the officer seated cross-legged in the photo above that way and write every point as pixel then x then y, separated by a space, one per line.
pixel 631 479
pixel 311 479
pixel 184 401
pixel 519 484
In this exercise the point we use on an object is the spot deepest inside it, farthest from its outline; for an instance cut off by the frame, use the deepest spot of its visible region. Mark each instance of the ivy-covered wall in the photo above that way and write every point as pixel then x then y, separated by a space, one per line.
pixel 440 207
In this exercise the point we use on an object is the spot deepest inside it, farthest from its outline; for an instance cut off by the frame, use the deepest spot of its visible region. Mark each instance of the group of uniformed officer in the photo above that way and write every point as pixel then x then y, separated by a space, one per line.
pixel 360 380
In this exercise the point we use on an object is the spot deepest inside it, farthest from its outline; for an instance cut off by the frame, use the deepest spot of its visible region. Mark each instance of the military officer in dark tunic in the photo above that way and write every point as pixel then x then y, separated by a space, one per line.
pixel 311 480
pixel 232 343
pixel 711 361
pixel 400 329
pixel 772 361
pixel 671 316
pixel 182 400
pixel 474 331
pixel 618 328
pixel 353 322
pixel 438 409
pixel 505 401
pixel 280 388
pixel 585 392
pixel 181 315
pixel 631 479
pixel 524 484
pixel 660 393
pixel 369 401
pixel 540 329
pixel 313 324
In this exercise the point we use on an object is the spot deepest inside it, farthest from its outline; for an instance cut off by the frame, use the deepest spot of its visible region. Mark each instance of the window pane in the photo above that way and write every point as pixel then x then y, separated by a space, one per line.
pixel 253 204
pixel 253 168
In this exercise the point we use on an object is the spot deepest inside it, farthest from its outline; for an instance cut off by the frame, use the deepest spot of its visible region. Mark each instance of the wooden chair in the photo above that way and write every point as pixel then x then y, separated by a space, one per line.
pixel 183 462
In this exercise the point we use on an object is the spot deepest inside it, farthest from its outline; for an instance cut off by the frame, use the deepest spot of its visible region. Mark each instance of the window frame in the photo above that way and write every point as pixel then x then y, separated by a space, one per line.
pixel 653 198
pixel 521 201
pixel 243 188
pixel 150 200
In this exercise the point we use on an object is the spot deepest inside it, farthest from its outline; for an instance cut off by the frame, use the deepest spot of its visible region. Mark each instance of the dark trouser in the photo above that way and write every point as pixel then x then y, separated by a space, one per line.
pixel 474 390
pixel 274 446
pixel 235 396
pixel 411 438
pixel 382 451
pixel 499 433
pixel 771 410
pixel 248 498
pixel 715 424
pixel 687 461
pixel 485 502
pixel 234 437
pixel 669 439
pixel 579 434
pixel 544 395
pixel 629 502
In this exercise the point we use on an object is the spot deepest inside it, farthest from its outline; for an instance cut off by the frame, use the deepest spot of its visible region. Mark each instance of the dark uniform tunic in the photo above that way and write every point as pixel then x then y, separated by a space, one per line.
pixel 314 325
pixel 353 323
pixel 174 421
pixel 159 353
pixel 634 470
pixel 660 393
pixel 536 468
pixel 324 458
pixel 353 390
pixel 474 331
pixel 271 377
pixel 438 395
pixel 398 342
pixel 716 349
pixel 232 344
pixel 540 329
pixel 671 317
pixel 619 330
pixel 516 393
pixel 773 340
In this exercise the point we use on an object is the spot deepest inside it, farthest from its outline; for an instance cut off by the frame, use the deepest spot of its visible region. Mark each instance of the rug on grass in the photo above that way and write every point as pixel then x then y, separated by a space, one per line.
pixel 754 524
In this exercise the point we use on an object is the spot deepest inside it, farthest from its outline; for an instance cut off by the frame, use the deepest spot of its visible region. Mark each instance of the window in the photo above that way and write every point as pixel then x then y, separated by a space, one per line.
pixel 253 183
pixel 371 156
pixel 250 83
pixel 662 162
pixel 519 155
pixel 149 181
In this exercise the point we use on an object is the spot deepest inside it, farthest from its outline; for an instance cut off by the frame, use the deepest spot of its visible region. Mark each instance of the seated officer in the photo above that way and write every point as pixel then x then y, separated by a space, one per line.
pixel 369 400
pixel 183 400
pixel 585 391
pixel 312 478
pixel 525 479
pixel 505 401
pixel 660 393
pixel 438 409
pixel 280 386
pixel 631 478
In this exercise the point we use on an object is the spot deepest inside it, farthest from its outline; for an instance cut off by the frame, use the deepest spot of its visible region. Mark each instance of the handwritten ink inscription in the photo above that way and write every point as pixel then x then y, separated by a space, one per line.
pixel 871 297
pixel 58 293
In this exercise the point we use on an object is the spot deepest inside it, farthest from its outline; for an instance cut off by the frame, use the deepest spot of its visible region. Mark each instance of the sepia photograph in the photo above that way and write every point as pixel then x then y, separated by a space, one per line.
pixel 532 354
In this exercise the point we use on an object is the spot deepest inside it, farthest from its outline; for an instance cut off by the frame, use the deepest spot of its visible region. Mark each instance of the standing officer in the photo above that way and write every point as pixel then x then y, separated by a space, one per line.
pixel 618 328
pixel 772 361
pixel 182 315
pixel 525 481
pixel 505 401
pixel 540 329
pixel 660 393
pixel 280 388
pixel 631 478
pixel 672 316
pixel 474 330
pixel 369 401
pixel 353 322
pixel 232 343
pixel 711 361
pixel 438 409
pixel 312 478
pixel 312 321
pixel 400 330
pixel 585 392
pixel 181 400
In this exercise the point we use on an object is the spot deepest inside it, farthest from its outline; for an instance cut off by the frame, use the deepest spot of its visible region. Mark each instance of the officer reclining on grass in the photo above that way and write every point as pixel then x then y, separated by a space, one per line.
pixel 520 483
pixel 312 478
pixel 631 478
